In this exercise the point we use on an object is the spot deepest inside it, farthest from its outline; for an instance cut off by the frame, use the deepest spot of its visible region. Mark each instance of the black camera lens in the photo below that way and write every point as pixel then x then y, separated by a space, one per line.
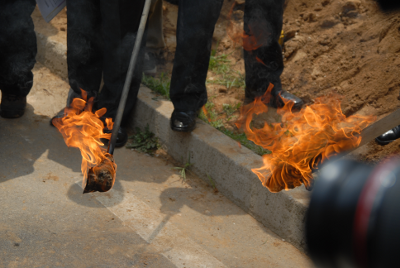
pixel 353 218
pixel 388 5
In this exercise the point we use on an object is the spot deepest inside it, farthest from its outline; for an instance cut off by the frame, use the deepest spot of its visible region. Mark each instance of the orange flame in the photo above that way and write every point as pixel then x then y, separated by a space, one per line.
pixel 259 60
pixel 206 113
pixel 83 129
pixel 303 139
pixel 240 38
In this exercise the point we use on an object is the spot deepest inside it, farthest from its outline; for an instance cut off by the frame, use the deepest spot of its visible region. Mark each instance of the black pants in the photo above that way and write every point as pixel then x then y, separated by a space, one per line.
pixel 17 46
pixel 101 36
pixel 196 21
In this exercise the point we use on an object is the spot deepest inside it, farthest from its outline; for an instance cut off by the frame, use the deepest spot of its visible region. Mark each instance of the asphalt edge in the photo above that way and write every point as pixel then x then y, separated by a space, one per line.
pixel 212 154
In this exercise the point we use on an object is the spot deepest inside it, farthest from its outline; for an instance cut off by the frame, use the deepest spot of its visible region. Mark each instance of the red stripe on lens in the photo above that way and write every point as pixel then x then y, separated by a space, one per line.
pixel 364 210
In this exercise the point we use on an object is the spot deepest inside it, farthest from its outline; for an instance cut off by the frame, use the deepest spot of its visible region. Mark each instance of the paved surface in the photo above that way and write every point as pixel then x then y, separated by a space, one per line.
pixel 150 219
pixel 213 154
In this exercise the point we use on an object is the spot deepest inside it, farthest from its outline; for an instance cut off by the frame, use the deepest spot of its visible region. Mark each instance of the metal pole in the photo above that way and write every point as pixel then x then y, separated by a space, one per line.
pixel 129 76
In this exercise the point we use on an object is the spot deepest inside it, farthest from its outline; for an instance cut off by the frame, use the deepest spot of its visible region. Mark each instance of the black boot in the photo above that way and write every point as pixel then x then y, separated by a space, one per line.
pixel 183 121
pixel 122 137
pixel 388 136
pixel 71 95
pixel 276 100
pixel 264 66
pixel 149 64
pixel 12 106
pixel 60 114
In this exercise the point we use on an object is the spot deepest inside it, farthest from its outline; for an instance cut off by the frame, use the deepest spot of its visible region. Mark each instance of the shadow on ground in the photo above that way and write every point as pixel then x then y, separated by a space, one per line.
pixel 24 140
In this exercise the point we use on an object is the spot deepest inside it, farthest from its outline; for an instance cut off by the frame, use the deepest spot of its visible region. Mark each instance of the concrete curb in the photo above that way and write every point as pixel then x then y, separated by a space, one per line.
pixel 213 155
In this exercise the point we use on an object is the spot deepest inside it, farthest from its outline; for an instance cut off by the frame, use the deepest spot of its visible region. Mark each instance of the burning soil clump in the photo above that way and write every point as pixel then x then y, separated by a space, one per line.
pixel 83 129
pixel 302 141
pixel 102 177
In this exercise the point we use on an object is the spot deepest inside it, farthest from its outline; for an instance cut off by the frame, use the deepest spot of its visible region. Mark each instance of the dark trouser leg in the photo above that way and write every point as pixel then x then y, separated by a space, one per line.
pixel 85 46
pixel 196 21
pixel 263 22
pixel 120 23
pixel 17 46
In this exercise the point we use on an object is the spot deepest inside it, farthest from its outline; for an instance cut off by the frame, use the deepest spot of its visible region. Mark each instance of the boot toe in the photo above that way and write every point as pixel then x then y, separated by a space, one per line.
pixel 122 137
pixel 60 114
pixel 12 106
pixel 278 100
pixel 183 121
pixel 388 136
pixel 297 102
pixel 12 113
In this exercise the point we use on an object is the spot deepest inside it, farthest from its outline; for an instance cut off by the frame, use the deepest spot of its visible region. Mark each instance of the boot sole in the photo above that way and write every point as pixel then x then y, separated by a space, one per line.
pixel 378 141
pixel 179 129
pixel 12 114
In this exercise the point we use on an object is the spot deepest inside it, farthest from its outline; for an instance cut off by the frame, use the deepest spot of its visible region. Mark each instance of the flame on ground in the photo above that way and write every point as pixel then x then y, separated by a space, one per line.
pixel 83 129
pixel 302 141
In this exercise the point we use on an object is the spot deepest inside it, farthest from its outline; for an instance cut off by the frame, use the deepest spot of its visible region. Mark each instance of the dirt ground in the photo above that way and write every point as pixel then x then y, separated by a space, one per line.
pixel 346 47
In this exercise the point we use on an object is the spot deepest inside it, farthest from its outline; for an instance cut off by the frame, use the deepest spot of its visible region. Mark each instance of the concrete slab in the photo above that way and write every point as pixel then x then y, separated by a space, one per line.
pixel 52 47
pixel 150 219
pixel 212 153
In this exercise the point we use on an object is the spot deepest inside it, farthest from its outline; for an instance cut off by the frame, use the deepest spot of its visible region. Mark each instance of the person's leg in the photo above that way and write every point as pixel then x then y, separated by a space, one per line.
pixel 155 37
pixel 262 26
pixel 17 55
pixel 196 21
pixel 263 55
pixel 120 24
pixel 84 50
pixel 85 47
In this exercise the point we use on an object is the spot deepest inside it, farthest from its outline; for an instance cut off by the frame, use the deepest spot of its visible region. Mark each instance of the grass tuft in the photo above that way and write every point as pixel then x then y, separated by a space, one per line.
pixel 144 141
pixel 184 169
pixel 211 119
pixel 160 85
pixel 229 109
pixel 212 183
pixel 245 142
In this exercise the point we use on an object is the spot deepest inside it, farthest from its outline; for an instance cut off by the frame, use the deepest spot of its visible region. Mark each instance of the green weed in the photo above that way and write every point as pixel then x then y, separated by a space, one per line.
pixel 212 120
pixel 244 141
pixel 217 123
pixel 160 85
pixel 184 169
pixel 229 109
pixel 230 80
pixel 219 64
pixel 144 141
pixel 212 182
